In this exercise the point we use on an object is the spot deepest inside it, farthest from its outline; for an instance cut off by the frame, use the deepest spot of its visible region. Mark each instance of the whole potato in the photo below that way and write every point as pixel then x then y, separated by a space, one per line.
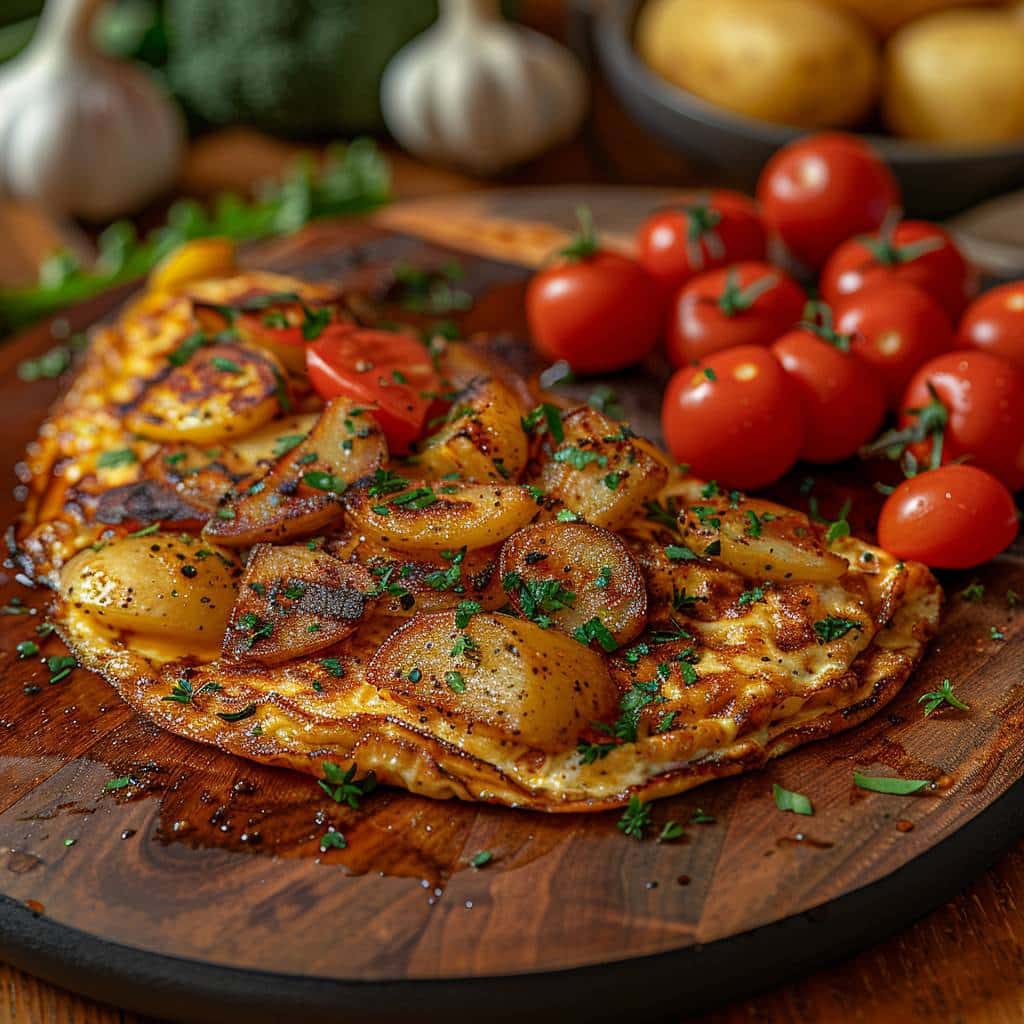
pixel 795 62
pixel 957 77
pixel 885 16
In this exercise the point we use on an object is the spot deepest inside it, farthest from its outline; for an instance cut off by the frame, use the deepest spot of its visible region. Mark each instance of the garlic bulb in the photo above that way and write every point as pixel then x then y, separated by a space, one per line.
pixel 479 92
pixel 81 133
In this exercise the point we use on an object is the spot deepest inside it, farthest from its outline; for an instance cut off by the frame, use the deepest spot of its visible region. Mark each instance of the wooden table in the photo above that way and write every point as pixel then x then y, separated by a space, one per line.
pixel 962 963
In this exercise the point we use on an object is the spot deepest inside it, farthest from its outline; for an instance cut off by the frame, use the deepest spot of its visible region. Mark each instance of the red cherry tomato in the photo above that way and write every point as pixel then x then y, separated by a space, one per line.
pixel 819 190
pixel 734 418
pixel 701 232
pixel 895 328
pixel 747 304
pixel 842 398
pixel 597 310
pixel 387 370
pixel 995 323
pixel 913 251
pixel 954 517
pixel 983 397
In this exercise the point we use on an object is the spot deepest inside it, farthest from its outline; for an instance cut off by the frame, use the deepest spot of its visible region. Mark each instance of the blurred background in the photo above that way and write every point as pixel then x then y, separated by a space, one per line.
pixel 126 125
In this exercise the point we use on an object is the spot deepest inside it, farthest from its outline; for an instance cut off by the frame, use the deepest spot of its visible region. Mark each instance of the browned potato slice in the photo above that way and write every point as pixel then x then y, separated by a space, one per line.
pixel 531 685
pixel 161 584
pixel 301 493
pixel 425 516
pixel 601 471
pixel 760 540
pixel 483 436
pixel 293 601
pixel 222 391
pixel 571 574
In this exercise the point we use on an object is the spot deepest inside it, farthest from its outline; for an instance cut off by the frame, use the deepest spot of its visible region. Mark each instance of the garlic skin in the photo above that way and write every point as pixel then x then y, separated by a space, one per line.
pixel 80 133
pixel 480 93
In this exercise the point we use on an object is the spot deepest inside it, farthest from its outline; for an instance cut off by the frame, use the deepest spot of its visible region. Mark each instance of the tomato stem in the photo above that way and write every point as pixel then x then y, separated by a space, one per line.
pixel 931 422
pixel 584 243
pixel 734 299
pixel 886 252
pixel 818 320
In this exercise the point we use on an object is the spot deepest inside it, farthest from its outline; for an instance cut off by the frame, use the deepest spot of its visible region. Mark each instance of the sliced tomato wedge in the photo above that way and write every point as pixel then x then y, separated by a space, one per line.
pixel 388 371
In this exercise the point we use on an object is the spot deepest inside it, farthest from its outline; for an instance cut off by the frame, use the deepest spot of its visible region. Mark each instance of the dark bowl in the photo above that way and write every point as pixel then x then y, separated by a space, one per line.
pixel 936 181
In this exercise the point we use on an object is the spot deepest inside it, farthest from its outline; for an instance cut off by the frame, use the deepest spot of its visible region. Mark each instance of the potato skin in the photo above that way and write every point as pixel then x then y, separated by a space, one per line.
pixel 576 555
pixel 885 16
pixel 957 77
pixel 293 601
pixel 161 584
pixel 793 62
pixel 530 685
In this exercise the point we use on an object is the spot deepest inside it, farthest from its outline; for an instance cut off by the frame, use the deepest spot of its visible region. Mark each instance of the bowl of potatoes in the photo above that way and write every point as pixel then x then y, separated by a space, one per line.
pixel 936 85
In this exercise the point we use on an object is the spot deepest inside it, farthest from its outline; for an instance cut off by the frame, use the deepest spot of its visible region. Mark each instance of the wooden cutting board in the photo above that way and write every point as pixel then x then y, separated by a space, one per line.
pixel 199 891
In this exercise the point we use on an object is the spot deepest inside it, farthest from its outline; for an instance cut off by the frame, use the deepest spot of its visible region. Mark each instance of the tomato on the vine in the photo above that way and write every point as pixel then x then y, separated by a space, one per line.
pixel 842 399
pixel 699 232
pixel 994 322
pixel 735 417
pixel 966 405
pixel 389 371
pixel 746 304
pixel 955 517
pixel 819 190
pixel 895 328
pixel 596 309
pixel 912 250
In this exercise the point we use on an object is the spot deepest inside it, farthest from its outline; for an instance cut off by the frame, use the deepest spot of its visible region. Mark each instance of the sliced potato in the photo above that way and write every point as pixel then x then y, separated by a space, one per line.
pixel 573 573
pixel 425 516
pixel 601 470
pixel 268 443
pixel 528 684
pixel 301 492
pixel 293 601
pixel 160 584
pixel 222 391
pixel 761 540
pixel 483 437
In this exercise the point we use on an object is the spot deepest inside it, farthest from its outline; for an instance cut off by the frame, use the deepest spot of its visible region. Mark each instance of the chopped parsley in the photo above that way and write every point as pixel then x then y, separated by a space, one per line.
pixel 334 666
pixel 332 840
pixel 679 553
pixel 612 481
pixel 287 442
pixel 344 787
pixel 466 647
pixel 887 784
pixel 118 457
pixel 538 598
pixel 418 498
pixel 455 682
pixel 832 627
pixel 636 818
pixel 788 800
pixel 710 374
pixel 386 482
pixel 595 629
pixel 545 417
pixel 749 597
pixel 182 692
pixel 604 577
pixel 324 481
pixel 450 578
pixel 255 628
pixel 60 666
pixel 995 633
pixel 700 817
pixel 973 592
pixel 225 365
pixel 666 722
pixel 481 858
pixel 27 648
pixel 464 611
pixel 753 528
pixel 841 526
pixel 579 458
pixel 566 515
pixel 670 831
pixel 606 400
pixel 122 782
pixel 238 716
pixel 934 699
pixel 591 752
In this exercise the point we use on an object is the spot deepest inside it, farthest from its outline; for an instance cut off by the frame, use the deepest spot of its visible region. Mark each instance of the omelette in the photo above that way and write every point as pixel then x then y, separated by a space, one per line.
pixel 526 604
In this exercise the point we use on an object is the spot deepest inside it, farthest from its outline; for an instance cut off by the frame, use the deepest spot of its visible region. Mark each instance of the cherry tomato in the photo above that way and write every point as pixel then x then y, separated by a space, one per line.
pixel 995 323
pixel 702 232
pixel 982 396
pixel 597 310
pixel 387 370
pixel 895 328
pixel 954 517
pixel 841 396
pixel 913 251
pixel 746 304
pixel 734 418
pixel 819 190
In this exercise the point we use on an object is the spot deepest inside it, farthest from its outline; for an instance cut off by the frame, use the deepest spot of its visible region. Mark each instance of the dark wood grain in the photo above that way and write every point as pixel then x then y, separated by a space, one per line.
pixel 216 859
